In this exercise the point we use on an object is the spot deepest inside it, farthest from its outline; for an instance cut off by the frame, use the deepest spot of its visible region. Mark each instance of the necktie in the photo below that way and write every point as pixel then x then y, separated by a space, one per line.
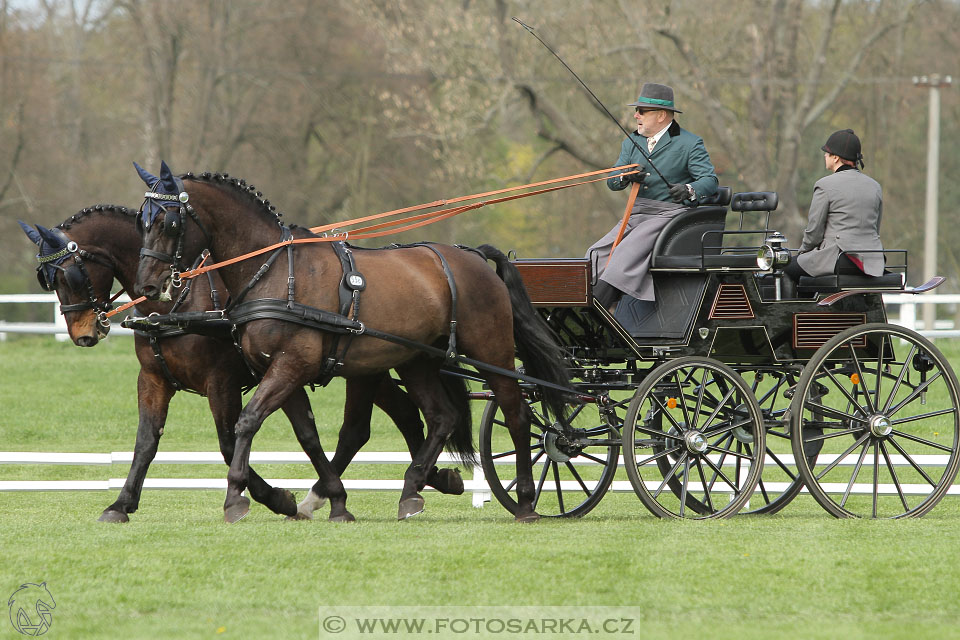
pixel 651 143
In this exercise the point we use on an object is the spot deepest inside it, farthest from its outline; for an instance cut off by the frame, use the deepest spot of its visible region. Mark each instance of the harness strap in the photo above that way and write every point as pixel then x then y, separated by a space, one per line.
pixel 261 272
pixel 451 282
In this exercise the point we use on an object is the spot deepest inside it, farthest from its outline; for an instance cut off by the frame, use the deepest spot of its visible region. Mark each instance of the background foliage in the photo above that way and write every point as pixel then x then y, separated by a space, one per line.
pixel 337 109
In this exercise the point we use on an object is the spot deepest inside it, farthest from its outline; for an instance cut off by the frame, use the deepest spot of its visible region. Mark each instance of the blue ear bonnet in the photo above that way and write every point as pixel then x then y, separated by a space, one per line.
pixel 165 191
pixel 55 248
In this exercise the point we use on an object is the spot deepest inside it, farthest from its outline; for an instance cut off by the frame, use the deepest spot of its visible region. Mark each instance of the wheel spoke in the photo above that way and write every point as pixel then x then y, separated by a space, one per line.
pixel 556 479
pixel 664 411
pixel 736 454
pixel 876 391
pixel 726 396
pixel 706 489
pixel 594 458
pixel 658 456
pixel 667 476
pixel 839 385
pixel 843 455
pixel 856 472
pixel 912 462
pixel 683 488
pixel 861 381
pixel 893 474
pixel 816 407
pixel 703 386
pixel 543 478
pixel 573 472
pixel 876 472
pixel 720 473
pixel 921 441
pixel 780 464
pixel 682 400
pixel 913 395
pixel 921 416
pixel 896 385
pixel 827 436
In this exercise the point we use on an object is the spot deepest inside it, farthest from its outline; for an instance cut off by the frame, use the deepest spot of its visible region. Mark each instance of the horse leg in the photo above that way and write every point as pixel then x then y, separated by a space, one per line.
pixel 424 385
pixel 153 398
pixel 297 408
pixel 517 417
pixel 225 401
pixel 405 414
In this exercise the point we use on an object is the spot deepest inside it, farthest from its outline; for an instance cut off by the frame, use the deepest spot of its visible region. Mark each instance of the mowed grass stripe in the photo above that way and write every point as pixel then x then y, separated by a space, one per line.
pixel 176 571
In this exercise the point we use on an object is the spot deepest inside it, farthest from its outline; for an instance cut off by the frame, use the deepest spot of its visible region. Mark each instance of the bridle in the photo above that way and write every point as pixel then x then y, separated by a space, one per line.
pixel 76 277
pixel 175 208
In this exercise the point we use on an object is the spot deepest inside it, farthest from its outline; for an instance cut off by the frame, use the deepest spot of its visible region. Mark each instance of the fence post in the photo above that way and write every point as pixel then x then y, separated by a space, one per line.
pixel 908 315
pixel 60 322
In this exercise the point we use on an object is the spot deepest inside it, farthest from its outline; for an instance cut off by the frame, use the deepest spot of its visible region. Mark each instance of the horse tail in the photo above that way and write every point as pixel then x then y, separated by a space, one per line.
pixel 460 443
pixel 537 346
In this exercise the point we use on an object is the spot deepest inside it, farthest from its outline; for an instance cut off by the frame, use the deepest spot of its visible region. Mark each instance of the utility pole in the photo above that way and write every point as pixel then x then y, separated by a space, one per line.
pixel 934 82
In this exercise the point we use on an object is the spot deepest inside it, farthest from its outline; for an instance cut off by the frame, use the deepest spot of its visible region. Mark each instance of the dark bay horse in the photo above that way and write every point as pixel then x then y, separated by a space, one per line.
pixel 106 246
pixel 408 294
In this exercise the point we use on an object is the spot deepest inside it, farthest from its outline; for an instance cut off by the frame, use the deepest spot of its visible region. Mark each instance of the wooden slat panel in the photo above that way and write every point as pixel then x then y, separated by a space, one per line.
pixel 556 282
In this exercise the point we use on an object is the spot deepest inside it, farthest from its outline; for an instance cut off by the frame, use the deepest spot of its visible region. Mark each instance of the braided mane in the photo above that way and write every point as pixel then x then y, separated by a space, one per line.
pixel 242 188
pixel 81 215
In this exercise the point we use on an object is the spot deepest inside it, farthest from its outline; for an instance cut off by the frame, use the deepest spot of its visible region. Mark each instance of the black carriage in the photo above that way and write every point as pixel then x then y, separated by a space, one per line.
pixel 727 394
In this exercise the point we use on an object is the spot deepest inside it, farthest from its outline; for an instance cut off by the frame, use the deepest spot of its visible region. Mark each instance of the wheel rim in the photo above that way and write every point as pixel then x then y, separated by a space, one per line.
pixel 681 451
pixel 881 404
pixel 780 481
pixel 571 471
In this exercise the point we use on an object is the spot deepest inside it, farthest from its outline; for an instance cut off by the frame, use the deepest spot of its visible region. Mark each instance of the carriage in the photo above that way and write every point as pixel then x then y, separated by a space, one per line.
pixel 727 395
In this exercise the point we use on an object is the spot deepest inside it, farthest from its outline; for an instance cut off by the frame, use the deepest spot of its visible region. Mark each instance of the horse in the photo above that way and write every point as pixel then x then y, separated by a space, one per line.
pixel 428 298
pixel 80 258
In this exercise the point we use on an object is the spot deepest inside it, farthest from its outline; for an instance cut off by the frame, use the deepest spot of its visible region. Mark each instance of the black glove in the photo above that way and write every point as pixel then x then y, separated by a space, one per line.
pixel 635 177
pixel 679 193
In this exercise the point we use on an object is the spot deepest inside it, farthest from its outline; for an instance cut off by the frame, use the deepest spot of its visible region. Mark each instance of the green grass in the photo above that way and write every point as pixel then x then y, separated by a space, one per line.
pixel 176 571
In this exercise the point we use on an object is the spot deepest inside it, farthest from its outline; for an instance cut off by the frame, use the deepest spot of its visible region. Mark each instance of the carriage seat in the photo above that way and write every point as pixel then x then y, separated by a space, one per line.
pixel 692 239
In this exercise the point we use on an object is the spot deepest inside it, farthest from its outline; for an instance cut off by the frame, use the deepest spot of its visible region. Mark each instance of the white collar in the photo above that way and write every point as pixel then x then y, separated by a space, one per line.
pixel 659 134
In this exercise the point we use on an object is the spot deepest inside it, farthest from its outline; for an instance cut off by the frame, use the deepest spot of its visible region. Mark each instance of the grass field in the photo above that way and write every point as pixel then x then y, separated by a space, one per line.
pixel 176 571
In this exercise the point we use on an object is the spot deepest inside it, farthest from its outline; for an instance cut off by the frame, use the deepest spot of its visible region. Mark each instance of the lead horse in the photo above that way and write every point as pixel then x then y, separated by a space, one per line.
pixel 419 295
pixel 79 260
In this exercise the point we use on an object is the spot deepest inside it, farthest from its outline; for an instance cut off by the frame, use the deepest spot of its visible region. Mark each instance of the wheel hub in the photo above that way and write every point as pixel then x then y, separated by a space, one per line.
pixel 558 448
pixel 695 441
pixel 880 425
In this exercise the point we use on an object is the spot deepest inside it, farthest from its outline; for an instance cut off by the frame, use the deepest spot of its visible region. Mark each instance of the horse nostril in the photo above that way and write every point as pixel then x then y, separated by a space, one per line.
pixel 86 341
pixel 149 291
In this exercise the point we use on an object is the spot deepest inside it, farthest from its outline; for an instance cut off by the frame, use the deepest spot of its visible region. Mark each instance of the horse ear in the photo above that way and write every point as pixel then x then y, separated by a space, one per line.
pixel 146 176
pixel 49 237
pixel 31 233
pixel 166 176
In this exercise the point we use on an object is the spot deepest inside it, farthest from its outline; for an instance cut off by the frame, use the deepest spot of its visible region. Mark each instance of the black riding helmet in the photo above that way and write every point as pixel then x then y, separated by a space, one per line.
pixel 844 144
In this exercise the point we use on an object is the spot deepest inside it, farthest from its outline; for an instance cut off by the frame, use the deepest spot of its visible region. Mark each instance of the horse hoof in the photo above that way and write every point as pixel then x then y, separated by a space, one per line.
pixel 449 481
pixel 533 516
pixel 346 516
pixel 110 515
pixel 287 505
pixel 410 507
pixel 236 512
pixel 299 515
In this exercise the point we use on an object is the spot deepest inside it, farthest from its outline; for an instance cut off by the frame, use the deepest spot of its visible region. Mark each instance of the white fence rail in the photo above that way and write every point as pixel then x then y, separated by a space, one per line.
pixel 906 303
pixel 476 488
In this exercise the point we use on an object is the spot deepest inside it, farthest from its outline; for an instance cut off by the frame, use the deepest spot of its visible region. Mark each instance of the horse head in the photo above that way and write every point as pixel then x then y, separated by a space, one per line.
pixel 162 222
pixel 80 279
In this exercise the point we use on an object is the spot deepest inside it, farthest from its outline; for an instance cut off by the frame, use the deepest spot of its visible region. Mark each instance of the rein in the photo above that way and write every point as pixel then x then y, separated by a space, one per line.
pixel 332 231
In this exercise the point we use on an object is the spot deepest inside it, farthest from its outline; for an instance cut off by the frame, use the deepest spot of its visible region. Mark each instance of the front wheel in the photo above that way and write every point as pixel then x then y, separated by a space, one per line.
pixel 879 404
pixel 694 440
pixel 572 469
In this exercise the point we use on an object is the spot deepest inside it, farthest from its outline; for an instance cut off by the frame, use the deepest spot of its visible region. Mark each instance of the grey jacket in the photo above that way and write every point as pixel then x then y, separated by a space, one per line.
pixel 844 216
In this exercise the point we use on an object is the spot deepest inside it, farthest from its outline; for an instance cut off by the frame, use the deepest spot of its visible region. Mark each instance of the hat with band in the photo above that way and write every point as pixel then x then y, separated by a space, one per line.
pixel 656 96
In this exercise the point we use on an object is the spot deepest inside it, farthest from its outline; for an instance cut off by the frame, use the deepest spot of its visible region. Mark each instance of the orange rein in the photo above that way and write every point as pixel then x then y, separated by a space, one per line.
pixel 404 224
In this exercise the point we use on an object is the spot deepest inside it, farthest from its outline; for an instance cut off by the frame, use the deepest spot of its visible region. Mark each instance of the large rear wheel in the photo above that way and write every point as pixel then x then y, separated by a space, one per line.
pixel 880 403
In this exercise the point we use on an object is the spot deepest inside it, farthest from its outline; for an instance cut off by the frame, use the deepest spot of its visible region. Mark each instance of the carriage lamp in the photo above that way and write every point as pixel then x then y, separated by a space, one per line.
pixel 773 253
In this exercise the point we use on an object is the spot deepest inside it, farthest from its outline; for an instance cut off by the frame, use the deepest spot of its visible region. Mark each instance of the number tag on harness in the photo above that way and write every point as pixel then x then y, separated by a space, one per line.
pixel 354 281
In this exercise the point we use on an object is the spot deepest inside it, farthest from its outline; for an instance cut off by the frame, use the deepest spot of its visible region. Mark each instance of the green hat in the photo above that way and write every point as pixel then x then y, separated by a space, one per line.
pixel 655 96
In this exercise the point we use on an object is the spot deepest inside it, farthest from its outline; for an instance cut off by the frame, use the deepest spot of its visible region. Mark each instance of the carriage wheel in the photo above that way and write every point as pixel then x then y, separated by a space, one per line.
pixel 780 481
pixel 699 416
pixel 570 474
pixel 880 403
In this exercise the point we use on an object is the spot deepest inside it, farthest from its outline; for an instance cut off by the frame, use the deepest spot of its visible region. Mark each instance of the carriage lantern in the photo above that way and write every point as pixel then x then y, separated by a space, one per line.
pixel 773 253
